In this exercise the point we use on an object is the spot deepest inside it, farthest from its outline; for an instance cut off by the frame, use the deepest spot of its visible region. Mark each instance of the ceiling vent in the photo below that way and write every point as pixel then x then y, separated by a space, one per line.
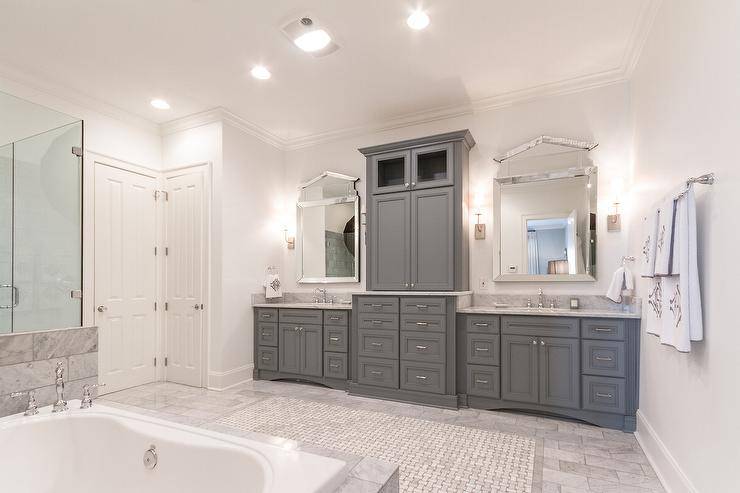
pixel 310 35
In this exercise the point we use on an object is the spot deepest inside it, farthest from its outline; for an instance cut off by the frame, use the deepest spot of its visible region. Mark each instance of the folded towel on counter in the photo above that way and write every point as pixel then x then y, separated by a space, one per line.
pixel 664 243
pixel 621 280
pixel 649 244
pixel 273 287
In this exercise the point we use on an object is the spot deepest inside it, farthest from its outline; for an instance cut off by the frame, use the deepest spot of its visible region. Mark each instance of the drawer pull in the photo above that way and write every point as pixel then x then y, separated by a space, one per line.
pixel 334 365
pixel 602 329
pixel 480 324
pixel 267 315
pixel 481 349
pixel 377 344
pixel 603 358
pixel 422 307
pixel 422 348
pixel 422 324
pixel 481 381
pixel 334 339
pixel 377 322
pixel 376 305
pixel 266 358
pixel 374 372
pixel 266 333
pixel 421 377
pixel 608 396
pixel 334 318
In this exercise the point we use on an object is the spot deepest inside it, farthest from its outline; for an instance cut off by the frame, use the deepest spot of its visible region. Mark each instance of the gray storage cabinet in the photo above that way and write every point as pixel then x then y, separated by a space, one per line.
pixel 417 232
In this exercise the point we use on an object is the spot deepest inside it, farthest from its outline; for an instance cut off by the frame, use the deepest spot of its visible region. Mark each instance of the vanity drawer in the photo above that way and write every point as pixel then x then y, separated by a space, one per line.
pixel 423 346
pixel 484 349
pixel 335 365
pixel 267 314
pixel 604 394
pixel 378 372
pixel 377 321
pixel 484 381
pixel 603 328
pixel 607 358
pixel 423 377
pixel 526 325
pixel 267 358
pixel 377 343
pixel 484 324
pixel 423 305
pixel 377 304
pixel 267 334
pixel 421 322
pixel 335 339
pixel 336 317
pixel 301 316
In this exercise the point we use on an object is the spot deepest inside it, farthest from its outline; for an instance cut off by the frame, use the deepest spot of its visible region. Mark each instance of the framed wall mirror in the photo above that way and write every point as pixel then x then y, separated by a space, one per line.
pixel 328 233
pixel 547 225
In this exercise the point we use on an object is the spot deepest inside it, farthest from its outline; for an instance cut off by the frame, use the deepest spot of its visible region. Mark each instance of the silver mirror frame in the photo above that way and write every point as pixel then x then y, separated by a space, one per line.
pixel 531 178
pixel 352 197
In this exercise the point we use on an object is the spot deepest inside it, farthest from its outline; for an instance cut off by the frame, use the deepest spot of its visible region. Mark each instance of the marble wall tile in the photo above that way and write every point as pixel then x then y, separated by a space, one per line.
pixel 64 342
pixel 83 365
pixel 16 348
pixel 29 375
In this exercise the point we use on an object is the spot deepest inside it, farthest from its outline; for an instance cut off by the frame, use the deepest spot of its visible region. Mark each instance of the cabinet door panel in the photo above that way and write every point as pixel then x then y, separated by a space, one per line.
pixel 390 172
pixel 312 360
pixel 390 233
pixel 519 368
pixel 289 346
pixel 432 166
pixel 559 365
pixel 432 240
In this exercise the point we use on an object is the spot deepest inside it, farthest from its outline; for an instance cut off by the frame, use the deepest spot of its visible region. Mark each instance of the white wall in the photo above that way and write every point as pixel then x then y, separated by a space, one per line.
pixel 599 114
pixel 686 106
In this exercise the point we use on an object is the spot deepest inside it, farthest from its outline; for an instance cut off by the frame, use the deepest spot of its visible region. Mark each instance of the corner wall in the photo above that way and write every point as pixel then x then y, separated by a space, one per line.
pixel 686 106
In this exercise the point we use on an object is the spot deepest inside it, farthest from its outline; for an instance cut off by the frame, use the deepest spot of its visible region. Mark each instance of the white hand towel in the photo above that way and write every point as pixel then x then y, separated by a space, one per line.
pixel 273 288
pixel 649 244
pixel 654 307
pixel 622 279
pixel 665 238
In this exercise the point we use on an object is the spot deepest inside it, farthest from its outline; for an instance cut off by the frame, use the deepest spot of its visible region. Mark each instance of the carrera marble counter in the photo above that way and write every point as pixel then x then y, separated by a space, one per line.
pixel 548 312
pixel 310 306
pixel 413 293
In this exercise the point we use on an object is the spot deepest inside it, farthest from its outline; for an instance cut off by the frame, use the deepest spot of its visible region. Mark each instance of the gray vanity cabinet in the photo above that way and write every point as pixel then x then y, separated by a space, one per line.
pixel 559 372
pixel 519 358
pixel 390 241
pixel 290 349
pixel 417 226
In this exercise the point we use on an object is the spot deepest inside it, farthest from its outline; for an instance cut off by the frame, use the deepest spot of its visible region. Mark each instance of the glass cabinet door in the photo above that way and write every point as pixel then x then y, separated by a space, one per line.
pixel 391 172
pixel 6 239
pixel 432 166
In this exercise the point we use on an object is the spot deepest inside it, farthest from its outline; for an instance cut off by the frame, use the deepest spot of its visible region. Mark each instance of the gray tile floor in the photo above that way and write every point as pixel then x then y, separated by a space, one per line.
pixel 570 457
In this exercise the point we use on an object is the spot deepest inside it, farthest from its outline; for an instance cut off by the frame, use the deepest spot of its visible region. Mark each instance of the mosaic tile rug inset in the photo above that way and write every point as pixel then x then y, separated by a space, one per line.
pixel 432 456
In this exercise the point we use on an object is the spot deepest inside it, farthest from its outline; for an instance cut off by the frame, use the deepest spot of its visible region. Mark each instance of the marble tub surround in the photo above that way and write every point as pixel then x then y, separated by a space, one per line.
pixel 586 302
pixel 28 362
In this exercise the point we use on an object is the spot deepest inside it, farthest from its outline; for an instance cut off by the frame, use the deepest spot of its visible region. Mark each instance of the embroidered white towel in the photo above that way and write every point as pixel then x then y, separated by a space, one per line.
pixel 622 279
pixel 654 308
pixel 664 238
pixel 273 288
pixel 649 244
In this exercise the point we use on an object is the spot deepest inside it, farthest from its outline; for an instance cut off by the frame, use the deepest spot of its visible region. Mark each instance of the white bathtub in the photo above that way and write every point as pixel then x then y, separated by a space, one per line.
pixel 102 449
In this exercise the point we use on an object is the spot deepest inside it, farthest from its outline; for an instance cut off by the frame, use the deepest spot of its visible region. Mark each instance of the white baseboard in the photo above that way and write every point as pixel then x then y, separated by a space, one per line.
pixel 222 380
pixel 668 470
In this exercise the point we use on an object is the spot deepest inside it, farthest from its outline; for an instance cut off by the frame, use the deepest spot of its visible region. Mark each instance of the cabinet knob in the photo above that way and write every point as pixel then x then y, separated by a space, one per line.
pixel 412 284
pixel 542 343
pixel 413 183
pixel 534 341
pixel 406 185
pixel 407 284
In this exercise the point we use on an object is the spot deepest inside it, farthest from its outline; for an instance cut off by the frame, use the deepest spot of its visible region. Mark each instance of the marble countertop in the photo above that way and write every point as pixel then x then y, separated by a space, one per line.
pixel 412 293
pixel 311 306
pixel 549 312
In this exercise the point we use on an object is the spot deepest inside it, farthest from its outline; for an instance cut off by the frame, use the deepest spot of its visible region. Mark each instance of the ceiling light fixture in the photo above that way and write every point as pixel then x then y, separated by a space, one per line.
pixel 310 36
pixel 418 20
pixel 160 104
pixel 312 41
pixel 260 72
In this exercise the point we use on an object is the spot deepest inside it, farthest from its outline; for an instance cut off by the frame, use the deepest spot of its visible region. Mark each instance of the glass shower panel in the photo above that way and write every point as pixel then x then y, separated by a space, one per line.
pixel 6 238
pixel 47 230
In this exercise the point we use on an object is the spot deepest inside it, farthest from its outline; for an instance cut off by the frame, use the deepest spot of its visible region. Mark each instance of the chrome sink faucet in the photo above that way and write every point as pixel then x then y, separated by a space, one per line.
pixel 540 299
pixel 319 295
pixel 60 404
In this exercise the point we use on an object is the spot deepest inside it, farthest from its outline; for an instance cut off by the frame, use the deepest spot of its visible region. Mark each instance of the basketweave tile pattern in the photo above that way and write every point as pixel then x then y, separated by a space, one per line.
pixel 433 457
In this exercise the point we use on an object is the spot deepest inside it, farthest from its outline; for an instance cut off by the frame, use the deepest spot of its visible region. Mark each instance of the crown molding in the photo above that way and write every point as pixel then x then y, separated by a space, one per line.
pixel 639 36
pixel 22 84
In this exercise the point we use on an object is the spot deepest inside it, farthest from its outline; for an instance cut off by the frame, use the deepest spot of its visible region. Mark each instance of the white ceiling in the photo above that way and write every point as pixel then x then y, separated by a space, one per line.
pixel 197 54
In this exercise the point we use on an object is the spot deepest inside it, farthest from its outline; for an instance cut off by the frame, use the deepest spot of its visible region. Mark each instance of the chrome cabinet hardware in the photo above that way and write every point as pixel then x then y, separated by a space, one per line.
pixel 602 329
pixel 377 305
pixel 407 284
pixel 422 324
pixel 484 349
pixel 413 183
pixel 334 318
pixel 480 324
pixel 334 339
pixel 375 372
pixel 542 343
pixel 264 333
pixel 266 358
pixel 534 342
pixel 377 322
pixel 87 399
pixel 334 365
pixel 102 308
pixel 298 329
pixel 31 408
pixel 267 315
pixel 481 381
pixel 422 348
pixel 412 284
pixel 406 185
pixel 608 396
pixel 421 377
pixel 422 307
pixel 603 358
pixel 376 344
pixel 60 404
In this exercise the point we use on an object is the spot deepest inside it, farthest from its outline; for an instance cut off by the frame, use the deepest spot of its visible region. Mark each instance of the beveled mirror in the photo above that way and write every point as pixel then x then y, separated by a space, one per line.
pixel 327 240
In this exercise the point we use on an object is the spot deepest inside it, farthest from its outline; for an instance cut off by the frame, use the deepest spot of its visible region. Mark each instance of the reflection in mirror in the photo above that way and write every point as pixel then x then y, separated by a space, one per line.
pixel 328 230
pixel 548 223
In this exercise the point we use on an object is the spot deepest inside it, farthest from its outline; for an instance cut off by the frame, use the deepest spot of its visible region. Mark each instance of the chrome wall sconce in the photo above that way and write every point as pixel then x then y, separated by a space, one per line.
pixel 480 228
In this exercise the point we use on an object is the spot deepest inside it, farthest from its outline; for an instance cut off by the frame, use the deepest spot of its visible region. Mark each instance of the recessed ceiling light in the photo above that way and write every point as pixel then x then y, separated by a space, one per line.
pixel 160 104
pixel 260 72
pixel 313 40
pixel 418 20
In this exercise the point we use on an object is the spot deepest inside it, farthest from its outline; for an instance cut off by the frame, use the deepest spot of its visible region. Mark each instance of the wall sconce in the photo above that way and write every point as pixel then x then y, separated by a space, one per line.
pixel 290 240
pixel 614 220
pixel 480 228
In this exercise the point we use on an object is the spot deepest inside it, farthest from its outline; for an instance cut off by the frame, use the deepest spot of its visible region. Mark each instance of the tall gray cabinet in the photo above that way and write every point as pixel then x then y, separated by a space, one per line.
pixel 416 216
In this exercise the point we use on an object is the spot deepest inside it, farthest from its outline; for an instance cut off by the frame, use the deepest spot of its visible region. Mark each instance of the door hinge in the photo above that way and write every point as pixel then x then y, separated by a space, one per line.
pixel 77 151
pixel 166 306
pixel 165 361
pixel 155 361
pixel 155 251
pixel 155 306
pixel 164 193
pixel 166 251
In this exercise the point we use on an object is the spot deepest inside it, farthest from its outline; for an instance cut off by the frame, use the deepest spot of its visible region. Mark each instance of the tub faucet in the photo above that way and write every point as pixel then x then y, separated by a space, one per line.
pixel 540 299
pixel 87 398
pixel 60 404
pixel 32 408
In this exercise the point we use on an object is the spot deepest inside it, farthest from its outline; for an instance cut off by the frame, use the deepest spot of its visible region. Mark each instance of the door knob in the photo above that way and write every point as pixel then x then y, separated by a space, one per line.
pixel 102 308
